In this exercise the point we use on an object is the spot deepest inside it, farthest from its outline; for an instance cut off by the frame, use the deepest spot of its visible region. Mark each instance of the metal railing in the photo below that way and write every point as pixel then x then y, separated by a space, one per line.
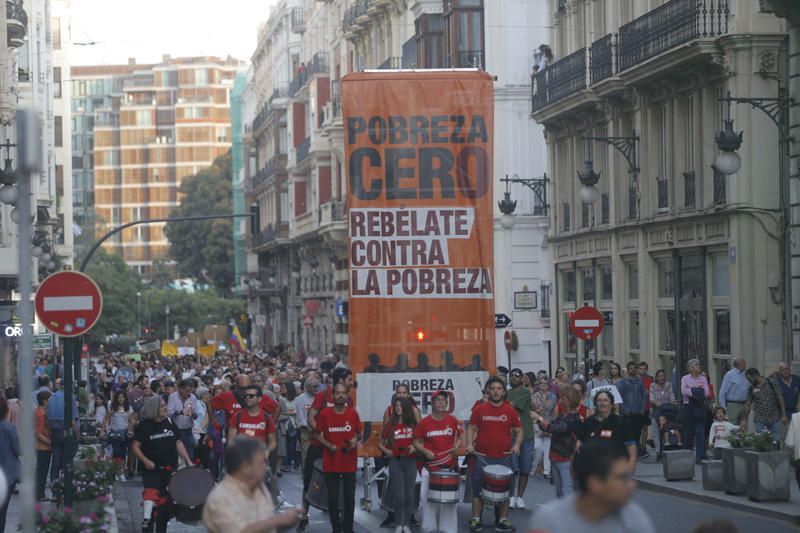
pixel 605 211
pixel 354 12
pixel 298 21
pixel 331 111
pixel 566 217
pixel 303 150
pixel 318 65
pixel 559 80
pixel 261 117
pixel 584 215
pixel 689 197
pixel 466 59
pixel 670 25
pixel 269 234
pixel 391 63
pixel 663 193
pixel 720 188
pixel 410 53
pixel 281 91
pixel 331 212
pixel 632 201
pixel 601 58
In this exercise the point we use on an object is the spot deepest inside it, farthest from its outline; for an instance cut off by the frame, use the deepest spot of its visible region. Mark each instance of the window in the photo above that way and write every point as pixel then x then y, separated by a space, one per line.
pixel 666 328
pixel 58 131
pixel 570 289
pixel 56 82
pixel 464 33
pixel 722 331
pixel 430 41
pixel 634 329
pixel 633 281
pixel 59 181
pixel 56 33
pixel 588 284
pixel 608 335
pixel 144 117
pixel 606 283
pixel 666 279
pixel 570 340
pixel 720 276
pixel 544 294
pixel 201 76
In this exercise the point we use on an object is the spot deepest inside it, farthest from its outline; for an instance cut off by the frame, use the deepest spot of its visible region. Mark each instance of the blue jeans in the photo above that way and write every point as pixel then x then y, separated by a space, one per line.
pixel 562 478
pixel 187 438
pixel 694 433
pixel 522 463
pixel 774 428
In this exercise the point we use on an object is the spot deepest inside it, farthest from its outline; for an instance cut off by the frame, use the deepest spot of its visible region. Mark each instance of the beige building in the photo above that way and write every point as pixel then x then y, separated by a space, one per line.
pixel 682 260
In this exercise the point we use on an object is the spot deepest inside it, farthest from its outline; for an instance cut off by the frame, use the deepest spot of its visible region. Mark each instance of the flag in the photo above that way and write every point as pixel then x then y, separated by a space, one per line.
pixel 76 230
pixel 168 349
pixel 207 351
pixel 236 340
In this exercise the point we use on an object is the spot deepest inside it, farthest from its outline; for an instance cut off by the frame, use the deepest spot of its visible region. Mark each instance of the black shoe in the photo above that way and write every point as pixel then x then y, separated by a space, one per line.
pixel 651 443
pixel 388 521
pixel 147 526
pixel 414 521
pixel 644 455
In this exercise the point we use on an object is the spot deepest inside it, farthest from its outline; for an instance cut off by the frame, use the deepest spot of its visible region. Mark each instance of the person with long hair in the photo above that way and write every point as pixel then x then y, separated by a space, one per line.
pixel 606 425
pixel 563 441
pixel 118 425
pixel 10 453
pixel 544 403
pixel 614 373
pixel 289 408
pixel 397 443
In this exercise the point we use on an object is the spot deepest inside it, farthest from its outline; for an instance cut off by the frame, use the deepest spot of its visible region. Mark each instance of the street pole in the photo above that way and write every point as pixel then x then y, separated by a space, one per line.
pixel 29 160
pixel 166 311
pixel 138 315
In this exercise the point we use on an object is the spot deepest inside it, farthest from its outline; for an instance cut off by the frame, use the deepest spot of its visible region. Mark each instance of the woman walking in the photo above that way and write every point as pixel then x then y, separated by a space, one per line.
pixel 396 443
pixel 118 424
pixel 661 394
pixel 289 407
pixel 544 404
pixel 563 441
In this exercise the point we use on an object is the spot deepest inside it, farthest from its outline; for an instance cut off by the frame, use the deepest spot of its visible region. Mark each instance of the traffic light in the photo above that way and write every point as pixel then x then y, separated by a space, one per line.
pixel 420 335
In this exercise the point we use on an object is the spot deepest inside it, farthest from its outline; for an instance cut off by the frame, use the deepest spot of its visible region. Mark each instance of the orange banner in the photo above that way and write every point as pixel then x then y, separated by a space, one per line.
pixel 418 149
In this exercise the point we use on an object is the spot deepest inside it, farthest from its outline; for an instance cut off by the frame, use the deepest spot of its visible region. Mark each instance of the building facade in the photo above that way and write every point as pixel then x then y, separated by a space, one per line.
pixel 298 284
pixel 682 260
pixel 167 122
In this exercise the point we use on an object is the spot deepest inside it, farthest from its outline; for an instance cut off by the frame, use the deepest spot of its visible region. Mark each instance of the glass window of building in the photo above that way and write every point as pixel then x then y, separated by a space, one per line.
pixel 588 284
pixel 666 329
pixel 570 289
pixel 666 278
pixel 722 331
pixel 606 283
pixel 634 330
pixel 570 340
pixel 144 118
pixel 607 336
pixel 720 275
pixel 201 76
pixel 633 281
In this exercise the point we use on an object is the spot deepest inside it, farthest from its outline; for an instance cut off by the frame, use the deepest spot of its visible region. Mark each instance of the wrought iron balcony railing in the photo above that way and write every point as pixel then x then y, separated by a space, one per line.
pixel 17 23
pixel 559 80
pixel 303 150
pixel 566 212
pixel 720 188
pixel 605 216
pixel 663 193
pixel 466 59
pixel 261 117
pixel 670 25
pixel 317 65
pixel 601 58
pixel 689 189
pixel 410 53
pixel 392 63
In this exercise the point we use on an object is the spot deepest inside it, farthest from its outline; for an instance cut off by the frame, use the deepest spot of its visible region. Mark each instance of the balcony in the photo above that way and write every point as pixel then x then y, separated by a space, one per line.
pixel 409 59
pixel 561 79
pixel 331 112
pixel 261 118
pixel 303 150
pixel 601 57
pixel 605 216
pixel 331 222
pixel 355 18
pixel 281 91
pixel 304 223
pixel 720 189
pixel 668 26
pixel 663 194
pixel 317 65
pixel 269 234
pixel 392 63
pixel 466 59
pixel 689 200
pixel 275 164
pixel 298 21
pixel 17 23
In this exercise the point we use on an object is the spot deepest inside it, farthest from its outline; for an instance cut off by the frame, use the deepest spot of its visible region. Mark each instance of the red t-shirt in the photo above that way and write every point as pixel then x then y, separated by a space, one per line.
pixel 647 380
pixel 227 402
pixel 322 400
pixel 338 429
pixel 259 426
pixel 494 428
pixel 398 438
pixel 439 436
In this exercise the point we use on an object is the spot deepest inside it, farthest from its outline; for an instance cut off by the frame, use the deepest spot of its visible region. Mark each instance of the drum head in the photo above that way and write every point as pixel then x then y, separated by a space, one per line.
pixel 498 471
pixel 191 486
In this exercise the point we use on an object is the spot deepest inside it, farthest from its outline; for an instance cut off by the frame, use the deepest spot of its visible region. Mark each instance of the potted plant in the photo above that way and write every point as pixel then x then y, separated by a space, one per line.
pixel 768 472
pixel 68 520
pixel 92 485
pixel 734 469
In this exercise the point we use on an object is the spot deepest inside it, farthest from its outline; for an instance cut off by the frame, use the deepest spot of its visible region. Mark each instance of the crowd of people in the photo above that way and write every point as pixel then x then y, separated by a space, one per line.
pixel 250 417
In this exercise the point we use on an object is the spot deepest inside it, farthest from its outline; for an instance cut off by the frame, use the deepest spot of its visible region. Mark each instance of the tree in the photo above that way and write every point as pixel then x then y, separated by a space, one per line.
pixel 161 274
pixel 203 249
pixel 186 310
pixel 119 284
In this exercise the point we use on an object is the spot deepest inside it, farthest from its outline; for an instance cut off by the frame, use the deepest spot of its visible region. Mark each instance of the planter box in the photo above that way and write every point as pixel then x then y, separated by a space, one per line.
pixel 678 464
pixel 768 475
pixel 712 475
pixel 734 470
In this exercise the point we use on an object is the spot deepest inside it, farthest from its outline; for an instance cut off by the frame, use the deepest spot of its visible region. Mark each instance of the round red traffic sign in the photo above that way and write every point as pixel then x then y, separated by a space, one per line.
pixel 508 341
pixel 586 323
pixel 69 303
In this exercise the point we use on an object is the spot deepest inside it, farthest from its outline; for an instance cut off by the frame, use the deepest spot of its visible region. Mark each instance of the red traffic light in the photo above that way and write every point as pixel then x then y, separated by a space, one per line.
pixel 420 335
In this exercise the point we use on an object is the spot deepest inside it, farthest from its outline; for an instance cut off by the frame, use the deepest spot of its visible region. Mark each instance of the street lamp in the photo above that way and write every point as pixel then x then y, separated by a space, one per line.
pixel 625 145
pixel 507 205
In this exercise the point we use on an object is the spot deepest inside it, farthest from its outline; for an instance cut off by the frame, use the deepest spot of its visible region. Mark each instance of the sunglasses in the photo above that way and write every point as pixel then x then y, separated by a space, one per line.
pixel 251 395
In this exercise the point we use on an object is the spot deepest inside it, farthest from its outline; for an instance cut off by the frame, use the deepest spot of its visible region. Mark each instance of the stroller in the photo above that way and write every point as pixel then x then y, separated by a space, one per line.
pixel 670 432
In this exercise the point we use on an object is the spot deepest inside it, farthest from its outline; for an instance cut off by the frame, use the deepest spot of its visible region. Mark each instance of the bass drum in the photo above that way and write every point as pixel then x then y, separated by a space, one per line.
pixel 189 488
pixel 387 499
pixel 317 495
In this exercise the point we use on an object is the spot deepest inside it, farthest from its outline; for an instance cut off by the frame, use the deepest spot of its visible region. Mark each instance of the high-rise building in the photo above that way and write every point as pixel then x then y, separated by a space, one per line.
pixel 162 123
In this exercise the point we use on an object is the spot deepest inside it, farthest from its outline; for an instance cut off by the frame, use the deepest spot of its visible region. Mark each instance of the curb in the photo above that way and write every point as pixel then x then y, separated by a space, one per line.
pixel 737 506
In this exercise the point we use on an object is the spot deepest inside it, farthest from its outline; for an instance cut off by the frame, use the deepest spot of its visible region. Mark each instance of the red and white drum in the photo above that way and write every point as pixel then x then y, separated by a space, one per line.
pixel 443 487
pixel 496 483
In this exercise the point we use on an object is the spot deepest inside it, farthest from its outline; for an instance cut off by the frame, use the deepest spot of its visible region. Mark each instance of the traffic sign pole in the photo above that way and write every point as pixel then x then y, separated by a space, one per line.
pixel 587 324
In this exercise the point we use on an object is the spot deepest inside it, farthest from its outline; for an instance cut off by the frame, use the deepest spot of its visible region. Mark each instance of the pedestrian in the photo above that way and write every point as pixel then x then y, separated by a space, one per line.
pixel 543 402
pixel 302 405
pixel 694 388
pixel 253 421
pixel 766 402
pixel 792 441
pixel 44 444
pixel 200 426
pixel 563 441
pixel 183 410
pixel 647 380
pixel 720 430
pixel 157 446
pixel 339 430
pixel 494 435
pixel 9 458
pixel 614 372
pixel 660 394
pixel 733 391
pixel 604 479
pixel 604 424
pixel 790 390
pixel 397 444
pixel 241 502
pixel 520 398
pixel 56 413
pixel 634 398
pixel 580 372
pixel 118 425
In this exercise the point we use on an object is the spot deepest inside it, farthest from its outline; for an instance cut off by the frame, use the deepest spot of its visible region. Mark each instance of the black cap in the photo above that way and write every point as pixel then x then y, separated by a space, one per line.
pixel 502 370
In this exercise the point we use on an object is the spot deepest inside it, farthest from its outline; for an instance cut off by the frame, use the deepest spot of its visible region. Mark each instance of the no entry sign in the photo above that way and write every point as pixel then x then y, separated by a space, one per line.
pixel 586 323
pixel 69 303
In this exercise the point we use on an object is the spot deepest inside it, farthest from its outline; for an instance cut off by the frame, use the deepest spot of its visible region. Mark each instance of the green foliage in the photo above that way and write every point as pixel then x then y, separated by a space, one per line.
pixel 67 521
pixel 187 309
pixel 760 442
pixel 161 274
pixel 119 284
pixel 203 250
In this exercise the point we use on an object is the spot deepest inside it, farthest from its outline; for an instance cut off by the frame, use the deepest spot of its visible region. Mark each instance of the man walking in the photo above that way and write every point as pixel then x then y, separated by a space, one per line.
pixel 733 391
pixel 634 398
pixel 55 420
pixel 182 409
pixel 520 398
pixel 302 405
pixel 790 390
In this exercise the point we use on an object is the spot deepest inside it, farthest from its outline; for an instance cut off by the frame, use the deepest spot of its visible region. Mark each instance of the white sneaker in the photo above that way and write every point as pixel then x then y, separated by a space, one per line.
pixel 398 529
pixel 520 503
pixel 512 504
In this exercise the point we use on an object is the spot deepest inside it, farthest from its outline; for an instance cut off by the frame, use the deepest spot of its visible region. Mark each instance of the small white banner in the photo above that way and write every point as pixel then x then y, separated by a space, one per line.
pixel 375 391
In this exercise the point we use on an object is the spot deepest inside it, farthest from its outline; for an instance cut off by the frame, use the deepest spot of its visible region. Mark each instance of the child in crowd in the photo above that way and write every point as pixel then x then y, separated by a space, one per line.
pixel 721 429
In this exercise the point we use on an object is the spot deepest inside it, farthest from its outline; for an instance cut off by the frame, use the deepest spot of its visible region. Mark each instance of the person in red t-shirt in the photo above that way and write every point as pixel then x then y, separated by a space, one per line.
pixel 322 400
pixel 397 443
pixel 338 431
pixel 438 437
pixel 489 436
pixel 233 401
pixel 647 379
pixel 253 421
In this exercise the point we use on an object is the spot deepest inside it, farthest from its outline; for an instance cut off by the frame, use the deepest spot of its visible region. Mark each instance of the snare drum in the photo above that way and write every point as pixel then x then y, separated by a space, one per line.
pixel 317 494
pixel 189 488
pixel 443 487
pixel 496 483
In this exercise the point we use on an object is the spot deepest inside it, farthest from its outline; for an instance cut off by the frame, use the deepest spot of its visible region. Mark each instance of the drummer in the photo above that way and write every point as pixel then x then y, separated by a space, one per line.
pixel 157 446
pixel 397 443
pixel 489 437
pixel 401 391
pixel 437 437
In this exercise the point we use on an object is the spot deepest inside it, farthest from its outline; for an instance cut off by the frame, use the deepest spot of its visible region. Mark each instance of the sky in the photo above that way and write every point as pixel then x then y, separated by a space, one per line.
pixel 147 29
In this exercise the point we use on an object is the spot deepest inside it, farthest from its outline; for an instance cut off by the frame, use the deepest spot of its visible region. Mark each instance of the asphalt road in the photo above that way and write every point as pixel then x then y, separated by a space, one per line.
pixel 669 513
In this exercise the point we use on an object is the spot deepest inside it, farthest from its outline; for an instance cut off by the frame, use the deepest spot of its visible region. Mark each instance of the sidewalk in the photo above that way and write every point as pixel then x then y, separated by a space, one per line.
pixel 650 476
